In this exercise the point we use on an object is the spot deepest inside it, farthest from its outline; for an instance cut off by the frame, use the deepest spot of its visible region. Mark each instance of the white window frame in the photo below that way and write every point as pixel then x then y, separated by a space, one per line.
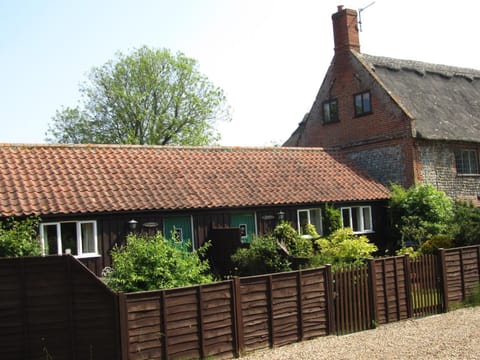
pixel 79 237
pixel 309 219
pixel 360 218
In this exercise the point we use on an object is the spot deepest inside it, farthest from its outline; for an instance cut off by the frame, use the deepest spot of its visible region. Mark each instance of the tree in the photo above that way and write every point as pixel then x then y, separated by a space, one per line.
pixel 19 237
pixel 153 262
pixel 149 96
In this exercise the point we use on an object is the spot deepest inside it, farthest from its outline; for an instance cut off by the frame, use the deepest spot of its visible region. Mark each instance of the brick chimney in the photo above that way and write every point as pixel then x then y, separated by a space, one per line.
pixel 345 30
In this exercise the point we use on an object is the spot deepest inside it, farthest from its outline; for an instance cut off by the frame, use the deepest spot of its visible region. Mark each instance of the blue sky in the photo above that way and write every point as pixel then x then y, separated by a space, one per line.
pixel 269 56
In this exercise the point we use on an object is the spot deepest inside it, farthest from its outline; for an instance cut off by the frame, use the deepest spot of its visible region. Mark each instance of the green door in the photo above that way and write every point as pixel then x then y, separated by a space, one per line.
pixel 246 223
pixel 178 228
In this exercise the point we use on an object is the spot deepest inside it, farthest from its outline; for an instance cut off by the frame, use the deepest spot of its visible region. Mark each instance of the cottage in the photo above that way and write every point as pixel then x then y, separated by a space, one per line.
pixel 89 197
pixel 402 121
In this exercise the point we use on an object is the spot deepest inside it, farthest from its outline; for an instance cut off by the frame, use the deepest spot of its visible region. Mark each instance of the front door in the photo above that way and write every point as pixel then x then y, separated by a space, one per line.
pixel 246 223
pixel 179 229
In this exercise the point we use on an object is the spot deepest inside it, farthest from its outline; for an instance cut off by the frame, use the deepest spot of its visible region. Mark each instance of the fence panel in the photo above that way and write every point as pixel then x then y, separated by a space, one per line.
pixel 426 285
pixel 352 299
pixel 189 322
pixel 55 307
pixel 461 271
pixel 283 308
pixel 392 289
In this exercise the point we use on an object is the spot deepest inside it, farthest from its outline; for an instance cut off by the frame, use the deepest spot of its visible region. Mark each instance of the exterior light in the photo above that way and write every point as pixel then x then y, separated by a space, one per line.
pixel 280 216
pixel 132 224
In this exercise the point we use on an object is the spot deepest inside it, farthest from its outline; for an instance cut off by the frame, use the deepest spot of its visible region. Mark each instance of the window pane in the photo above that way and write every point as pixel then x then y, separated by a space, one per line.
pixel 326 112
pixel 316 220
pixel 302 220
pixel 333 111
pixel 366 103
pixel 69 237
pixel 88 238
pixel 358 104
pixel 367 218
pixel 356 214
pixel 346 217
pixel 474 162
pixel 50 239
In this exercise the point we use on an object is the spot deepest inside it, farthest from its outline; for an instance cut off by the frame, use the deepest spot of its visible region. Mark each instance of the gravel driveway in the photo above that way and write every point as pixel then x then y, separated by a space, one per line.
pixel 454 335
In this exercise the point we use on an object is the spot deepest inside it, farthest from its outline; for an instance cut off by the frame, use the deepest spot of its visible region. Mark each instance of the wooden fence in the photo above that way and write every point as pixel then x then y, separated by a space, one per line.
pixel 55 307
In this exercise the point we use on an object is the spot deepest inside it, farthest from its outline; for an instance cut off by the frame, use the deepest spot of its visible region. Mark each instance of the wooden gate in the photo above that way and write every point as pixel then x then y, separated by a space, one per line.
pixel 352 299
pixel 425 279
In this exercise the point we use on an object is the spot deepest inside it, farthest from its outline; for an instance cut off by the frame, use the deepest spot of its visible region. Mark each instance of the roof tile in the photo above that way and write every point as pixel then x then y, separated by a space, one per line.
pixel 62 179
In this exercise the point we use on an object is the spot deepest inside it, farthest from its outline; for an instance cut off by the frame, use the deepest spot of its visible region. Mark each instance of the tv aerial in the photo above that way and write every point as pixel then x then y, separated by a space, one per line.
pixel 360 14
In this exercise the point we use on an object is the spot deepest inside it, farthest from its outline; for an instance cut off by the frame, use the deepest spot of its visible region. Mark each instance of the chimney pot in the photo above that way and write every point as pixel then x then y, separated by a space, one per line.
pixel 339 8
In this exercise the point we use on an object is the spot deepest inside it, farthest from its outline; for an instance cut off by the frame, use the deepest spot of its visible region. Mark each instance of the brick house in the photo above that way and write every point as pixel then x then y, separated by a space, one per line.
pixel 403 121
pixel 89 197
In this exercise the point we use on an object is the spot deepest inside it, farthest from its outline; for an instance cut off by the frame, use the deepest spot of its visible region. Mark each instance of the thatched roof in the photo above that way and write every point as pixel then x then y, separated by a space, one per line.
pixel 443 100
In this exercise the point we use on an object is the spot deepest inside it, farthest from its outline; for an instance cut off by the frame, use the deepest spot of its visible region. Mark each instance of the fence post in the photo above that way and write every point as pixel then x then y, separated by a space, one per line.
pixel 238 317
pixel 123 325
pixel 200 321
pixel 443 278
pixel 270 310
pixel 300 305
pixel 408 285
pixel 372 284
pixel 330 299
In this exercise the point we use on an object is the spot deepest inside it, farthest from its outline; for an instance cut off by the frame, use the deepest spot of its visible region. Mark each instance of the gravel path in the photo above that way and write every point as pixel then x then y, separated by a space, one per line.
pixel 454 335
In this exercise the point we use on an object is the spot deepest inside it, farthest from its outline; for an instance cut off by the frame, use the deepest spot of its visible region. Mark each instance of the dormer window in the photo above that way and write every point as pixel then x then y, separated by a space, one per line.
pixel 330 111
pixel 363 103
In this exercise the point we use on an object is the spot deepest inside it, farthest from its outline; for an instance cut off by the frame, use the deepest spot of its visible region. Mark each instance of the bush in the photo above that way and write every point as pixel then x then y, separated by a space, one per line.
pixel 410 251
pixel 436 242
pixel 153 262
pixel 419 213
pixel 343 246
pixel 466 224
pixel 296 245
pixel 19 237
pixel 263 256
pixel 332 220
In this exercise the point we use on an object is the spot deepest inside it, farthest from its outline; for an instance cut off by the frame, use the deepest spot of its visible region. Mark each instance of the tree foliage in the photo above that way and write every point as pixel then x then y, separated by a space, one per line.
pixel 19 237
pixel 149 96
pixel 153 262
pixel 419 213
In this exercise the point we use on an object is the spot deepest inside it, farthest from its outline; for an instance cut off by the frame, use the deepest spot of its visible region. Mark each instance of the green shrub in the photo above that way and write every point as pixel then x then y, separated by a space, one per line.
pixel 296 245
pixel 263 256
pixel 410 251
pixel 436 242
pixel 332 220
pixel 466 224
pixel 343 246
pixel 419 213
pixel 19 237
pixel 153 262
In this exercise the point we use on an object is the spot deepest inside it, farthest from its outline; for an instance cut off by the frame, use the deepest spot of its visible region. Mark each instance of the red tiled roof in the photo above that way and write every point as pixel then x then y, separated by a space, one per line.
pixel 62 179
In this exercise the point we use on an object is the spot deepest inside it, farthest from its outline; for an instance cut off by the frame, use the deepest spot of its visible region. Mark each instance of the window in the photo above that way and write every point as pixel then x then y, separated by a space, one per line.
pixel 358 218
pixel 363 104
pixel 78 238
pixel 309 216
pixel 466 161
pixel 330 111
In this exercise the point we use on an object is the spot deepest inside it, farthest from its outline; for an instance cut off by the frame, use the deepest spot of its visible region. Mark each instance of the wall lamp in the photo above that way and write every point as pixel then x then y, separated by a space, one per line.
pixel 132 224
